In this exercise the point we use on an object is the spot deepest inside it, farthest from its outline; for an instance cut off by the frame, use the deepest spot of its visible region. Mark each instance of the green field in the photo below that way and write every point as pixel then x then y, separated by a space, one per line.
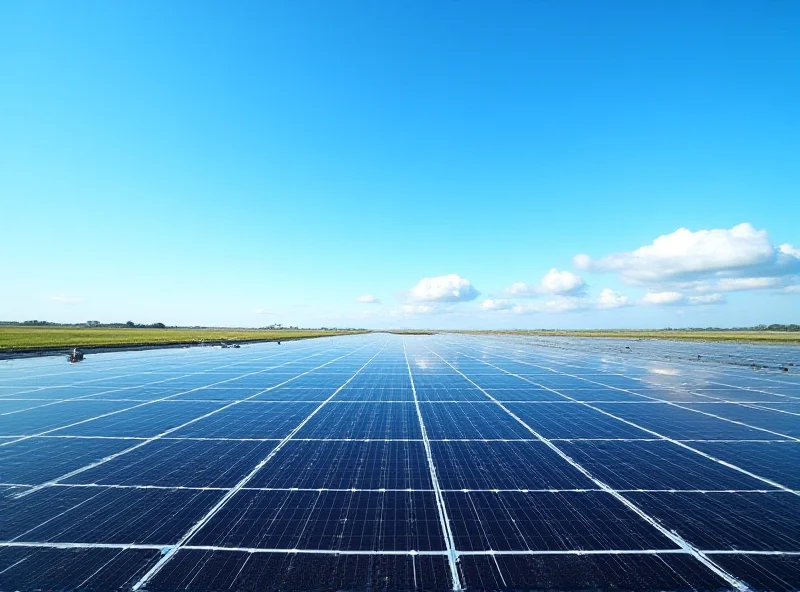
pixel 742 336
pixel 18 338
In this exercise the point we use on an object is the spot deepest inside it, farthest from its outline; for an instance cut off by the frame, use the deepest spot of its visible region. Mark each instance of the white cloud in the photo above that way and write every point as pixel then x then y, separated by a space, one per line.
pixel 557 305
pixel 672 298
pixel 445 288
pixel 787 249
pixel 523 290
pixel 65 299
pixel 608 299
pixel 554 282
pixel 704 259
pixel 746 283
pixel 707 299
pixel 368 299
pixel 497 304
pixel 663 298
pixel 562 282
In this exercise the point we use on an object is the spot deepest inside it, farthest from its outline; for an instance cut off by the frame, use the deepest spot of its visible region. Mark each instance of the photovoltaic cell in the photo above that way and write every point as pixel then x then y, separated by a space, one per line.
pixel 503 465
pixel 209 571
pixel 262 420
pixel 655 465
pixel 776 573
pixel 102 515
pixel 472 421
pixel 364 420
pixel 100 570
pixel 729 521
pixel 347 465
pixel 588 572
pixel 36 460
pixel 515 521
pixel 180 463
pixel 573 420
pixel 326 520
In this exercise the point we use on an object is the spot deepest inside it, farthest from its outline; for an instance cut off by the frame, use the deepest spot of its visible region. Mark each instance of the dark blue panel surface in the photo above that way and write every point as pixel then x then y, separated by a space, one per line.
pixel 363 420
pixel 655 465
pixel 102 515
pixel 504 465
pixel 208 571
pixel 473 421
pixel 180 463
pixel 746 521
pixel 330 520
pixel 649 573
pixel 346 465
pixel 546 522
pixel 99 570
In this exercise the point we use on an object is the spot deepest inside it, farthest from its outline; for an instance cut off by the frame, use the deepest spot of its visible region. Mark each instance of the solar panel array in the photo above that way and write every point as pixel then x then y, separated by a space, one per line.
pixel 397 463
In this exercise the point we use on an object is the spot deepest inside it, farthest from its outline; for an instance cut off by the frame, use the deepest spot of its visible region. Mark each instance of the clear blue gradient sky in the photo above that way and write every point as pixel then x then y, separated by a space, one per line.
pixel 245 163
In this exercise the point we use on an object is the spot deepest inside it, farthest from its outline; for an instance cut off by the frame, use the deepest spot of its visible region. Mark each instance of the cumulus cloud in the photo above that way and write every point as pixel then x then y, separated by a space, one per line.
pixel 787 249
pixel 562 282
pixel 368 299
pixel 445 288
pixel 65 299
pixel 554 282
pixel 608 299
pixel 741 257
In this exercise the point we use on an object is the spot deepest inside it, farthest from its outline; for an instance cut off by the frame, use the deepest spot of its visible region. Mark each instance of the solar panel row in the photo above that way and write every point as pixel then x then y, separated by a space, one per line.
pixel 441 462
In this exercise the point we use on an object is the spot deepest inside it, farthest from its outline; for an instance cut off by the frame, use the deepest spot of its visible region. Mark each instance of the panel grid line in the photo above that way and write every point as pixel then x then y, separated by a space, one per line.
pixel 452 557
pixel 147 441
pixel 671 535
pixel 653 432
pixel 231 492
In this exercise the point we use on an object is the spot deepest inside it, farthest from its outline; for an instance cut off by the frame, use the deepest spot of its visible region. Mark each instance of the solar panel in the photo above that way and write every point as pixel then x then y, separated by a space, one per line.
pixel 398 462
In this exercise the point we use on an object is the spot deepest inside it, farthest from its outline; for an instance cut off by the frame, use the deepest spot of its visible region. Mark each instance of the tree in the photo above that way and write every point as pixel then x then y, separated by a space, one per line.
pixel 129 324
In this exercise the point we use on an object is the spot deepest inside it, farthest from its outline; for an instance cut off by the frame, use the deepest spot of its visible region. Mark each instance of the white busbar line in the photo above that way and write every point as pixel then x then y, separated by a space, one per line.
pixel 111 457
pixel 143 404
pixel 411 552
pixel 153 571
pixel 680 443
pixel 669 534
pixel 444 520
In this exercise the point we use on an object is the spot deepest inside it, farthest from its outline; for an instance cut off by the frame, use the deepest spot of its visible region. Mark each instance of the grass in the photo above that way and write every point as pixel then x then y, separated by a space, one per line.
pixel 688 335
pixel 410 332
pixel 18 339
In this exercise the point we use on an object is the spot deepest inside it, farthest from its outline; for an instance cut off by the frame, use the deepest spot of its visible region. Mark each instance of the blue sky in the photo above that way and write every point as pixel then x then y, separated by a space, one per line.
pixel 250 163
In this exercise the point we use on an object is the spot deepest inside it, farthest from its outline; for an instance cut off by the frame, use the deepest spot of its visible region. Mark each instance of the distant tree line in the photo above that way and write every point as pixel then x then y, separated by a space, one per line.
pixel 785 328
pixel 129 324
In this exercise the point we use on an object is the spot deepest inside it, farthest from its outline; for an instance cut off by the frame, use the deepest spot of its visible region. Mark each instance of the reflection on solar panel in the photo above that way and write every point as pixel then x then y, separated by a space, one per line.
pixel 396 463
